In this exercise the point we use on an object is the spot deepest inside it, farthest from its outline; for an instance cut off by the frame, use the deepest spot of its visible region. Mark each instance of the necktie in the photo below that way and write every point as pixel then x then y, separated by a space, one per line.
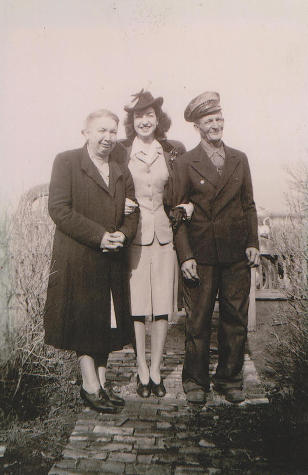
pixel 218 162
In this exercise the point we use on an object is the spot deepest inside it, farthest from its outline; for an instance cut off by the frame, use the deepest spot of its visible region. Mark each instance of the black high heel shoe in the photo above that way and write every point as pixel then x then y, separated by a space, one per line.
pixel 159 389
pixel 143 390
pixel 112 396
pixel 98 401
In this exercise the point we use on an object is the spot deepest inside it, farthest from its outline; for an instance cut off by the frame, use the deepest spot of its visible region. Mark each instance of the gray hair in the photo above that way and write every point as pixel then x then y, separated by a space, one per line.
pixel 100 113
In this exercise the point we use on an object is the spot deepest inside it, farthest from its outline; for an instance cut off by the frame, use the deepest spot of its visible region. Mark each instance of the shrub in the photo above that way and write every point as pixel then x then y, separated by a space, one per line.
pixel 290 354
pixel 28 239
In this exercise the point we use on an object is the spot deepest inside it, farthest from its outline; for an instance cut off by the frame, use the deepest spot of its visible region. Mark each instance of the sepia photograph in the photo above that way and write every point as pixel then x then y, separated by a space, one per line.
pixel 154 237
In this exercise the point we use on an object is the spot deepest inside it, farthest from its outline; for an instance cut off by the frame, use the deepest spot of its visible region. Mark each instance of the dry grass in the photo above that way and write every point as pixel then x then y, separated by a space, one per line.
pixel 27 251
pixel 290 354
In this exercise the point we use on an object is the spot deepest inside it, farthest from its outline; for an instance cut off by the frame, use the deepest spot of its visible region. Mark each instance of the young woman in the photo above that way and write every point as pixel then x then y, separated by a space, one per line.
pixel 152 259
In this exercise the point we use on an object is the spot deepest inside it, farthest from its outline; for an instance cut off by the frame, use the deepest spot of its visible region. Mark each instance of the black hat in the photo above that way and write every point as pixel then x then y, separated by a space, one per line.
pixel 142 100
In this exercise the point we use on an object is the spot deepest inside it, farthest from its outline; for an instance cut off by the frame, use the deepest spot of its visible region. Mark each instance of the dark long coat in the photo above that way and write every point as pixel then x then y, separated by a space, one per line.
pixel 77 312
pixel 224 221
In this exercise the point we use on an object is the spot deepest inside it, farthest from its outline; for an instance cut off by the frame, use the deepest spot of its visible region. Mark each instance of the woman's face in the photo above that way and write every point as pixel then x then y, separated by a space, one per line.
pixel 145 122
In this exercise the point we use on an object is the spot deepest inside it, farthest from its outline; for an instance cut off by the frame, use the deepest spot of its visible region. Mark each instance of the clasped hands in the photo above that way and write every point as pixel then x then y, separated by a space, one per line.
pixel 112 241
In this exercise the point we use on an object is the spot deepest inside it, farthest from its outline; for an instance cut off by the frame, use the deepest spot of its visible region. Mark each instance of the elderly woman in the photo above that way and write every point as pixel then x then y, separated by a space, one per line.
pixel 152 259
pixel 87 307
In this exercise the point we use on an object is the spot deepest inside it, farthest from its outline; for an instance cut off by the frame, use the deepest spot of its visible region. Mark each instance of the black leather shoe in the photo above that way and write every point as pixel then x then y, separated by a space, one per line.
pixel 98 402
pixel 159 389
pixel 195 394
pixel 114 398
pixel 143 390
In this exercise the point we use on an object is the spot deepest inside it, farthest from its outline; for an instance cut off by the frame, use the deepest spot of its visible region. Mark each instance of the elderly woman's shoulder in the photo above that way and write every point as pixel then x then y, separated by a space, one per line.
pixel 69 155
pixel 119 153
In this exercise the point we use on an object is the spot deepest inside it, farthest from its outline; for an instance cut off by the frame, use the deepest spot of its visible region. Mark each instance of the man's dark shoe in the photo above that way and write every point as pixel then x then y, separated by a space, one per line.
pixel 234 395
pixel 110 394
pixel 195 394
pixel 143 390
pixel 98 402
pixel 159 389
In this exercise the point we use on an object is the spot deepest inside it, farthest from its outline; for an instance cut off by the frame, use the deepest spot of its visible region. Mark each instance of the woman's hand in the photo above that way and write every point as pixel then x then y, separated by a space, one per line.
pixel 130 206
pixel 112 241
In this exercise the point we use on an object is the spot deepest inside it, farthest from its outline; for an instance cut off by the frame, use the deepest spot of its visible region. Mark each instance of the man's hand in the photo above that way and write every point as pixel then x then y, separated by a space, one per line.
pixel 112 241
pixel 189 208
pixel 253 256
pixel 189 269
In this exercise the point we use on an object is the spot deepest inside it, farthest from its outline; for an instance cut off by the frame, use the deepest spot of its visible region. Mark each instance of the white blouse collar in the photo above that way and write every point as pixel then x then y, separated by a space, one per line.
pixel 138 146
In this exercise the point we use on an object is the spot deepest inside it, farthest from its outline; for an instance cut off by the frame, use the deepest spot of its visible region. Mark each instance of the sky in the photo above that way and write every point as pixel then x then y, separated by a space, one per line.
pixel 62 59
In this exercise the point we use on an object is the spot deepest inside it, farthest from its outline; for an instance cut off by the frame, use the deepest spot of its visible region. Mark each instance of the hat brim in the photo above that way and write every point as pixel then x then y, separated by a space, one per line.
pixel 192 117
pixel 158 101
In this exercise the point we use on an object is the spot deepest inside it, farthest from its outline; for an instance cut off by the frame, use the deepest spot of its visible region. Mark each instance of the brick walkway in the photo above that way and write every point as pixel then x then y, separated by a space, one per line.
pixel 152 436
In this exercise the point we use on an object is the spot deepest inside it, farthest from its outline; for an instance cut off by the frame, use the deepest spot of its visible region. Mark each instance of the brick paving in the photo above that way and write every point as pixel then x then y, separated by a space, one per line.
pixel 154 436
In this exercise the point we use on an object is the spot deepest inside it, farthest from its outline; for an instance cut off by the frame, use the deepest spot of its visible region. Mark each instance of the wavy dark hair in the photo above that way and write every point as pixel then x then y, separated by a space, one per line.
pixel 164 123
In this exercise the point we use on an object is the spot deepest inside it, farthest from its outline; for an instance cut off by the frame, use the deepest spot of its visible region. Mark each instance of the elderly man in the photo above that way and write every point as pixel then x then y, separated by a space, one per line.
pixel 216 251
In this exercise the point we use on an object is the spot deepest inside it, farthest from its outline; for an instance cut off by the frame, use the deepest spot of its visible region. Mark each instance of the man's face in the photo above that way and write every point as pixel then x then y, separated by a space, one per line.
pixel 145 122
pixel 211 127
pixel 101 135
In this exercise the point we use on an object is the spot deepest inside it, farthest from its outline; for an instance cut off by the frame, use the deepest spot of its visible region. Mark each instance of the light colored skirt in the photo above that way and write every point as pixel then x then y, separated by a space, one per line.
pixel 153 279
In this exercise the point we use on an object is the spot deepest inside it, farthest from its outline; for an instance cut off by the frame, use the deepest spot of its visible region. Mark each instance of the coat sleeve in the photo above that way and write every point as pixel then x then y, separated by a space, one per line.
pixel 181 193
pixel 249 207
pixel 130 222
pixel 169 188
pixel 67 220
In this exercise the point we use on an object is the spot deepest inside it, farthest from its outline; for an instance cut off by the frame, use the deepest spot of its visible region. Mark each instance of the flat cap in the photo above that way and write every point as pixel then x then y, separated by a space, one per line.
pixel 206 103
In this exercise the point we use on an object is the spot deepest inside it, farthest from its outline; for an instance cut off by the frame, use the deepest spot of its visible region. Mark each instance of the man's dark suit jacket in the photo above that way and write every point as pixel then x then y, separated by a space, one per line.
pixel 224 222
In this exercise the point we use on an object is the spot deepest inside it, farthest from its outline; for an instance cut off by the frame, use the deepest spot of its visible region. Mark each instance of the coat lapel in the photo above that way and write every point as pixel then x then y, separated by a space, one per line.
pixel 167 149
pixel 231 162
pixel 114 174
pixel 90 169
pixel 203 165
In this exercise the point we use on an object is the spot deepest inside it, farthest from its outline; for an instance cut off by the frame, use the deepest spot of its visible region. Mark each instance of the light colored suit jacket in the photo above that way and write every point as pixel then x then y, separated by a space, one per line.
pixel 153 187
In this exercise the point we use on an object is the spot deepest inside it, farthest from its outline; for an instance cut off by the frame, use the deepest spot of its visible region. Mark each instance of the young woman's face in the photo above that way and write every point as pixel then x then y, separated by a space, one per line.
pixel 145 122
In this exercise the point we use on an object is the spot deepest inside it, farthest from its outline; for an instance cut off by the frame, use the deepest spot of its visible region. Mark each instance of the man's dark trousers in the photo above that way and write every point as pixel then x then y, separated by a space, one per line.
pixel 232 282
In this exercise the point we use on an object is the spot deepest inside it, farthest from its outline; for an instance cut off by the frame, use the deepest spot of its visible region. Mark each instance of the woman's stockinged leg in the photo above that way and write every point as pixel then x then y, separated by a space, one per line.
pixel 143 369
pixel 101 365
pixel 90 382
pixel 158 338
pixel 101 373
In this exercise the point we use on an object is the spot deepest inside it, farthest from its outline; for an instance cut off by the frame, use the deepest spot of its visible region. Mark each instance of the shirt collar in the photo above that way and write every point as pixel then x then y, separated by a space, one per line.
pixel 138 146
pixel 210 150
